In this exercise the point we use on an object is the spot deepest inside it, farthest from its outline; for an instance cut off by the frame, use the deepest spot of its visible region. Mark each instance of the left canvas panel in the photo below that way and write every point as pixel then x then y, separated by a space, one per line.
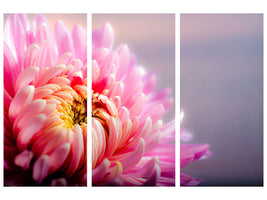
pixel 45 100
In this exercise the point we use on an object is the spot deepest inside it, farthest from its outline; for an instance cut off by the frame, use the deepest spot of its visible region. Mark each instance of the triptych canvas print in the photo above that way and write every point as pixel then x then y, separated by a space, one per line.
pixel 155 117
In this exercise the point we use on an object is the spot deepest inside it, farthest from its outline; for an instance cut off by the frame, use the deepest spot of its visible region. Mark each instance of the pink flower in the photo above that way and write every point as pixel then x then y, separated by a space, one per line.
pixel 131 145
pixel 45 103
pixel 190 153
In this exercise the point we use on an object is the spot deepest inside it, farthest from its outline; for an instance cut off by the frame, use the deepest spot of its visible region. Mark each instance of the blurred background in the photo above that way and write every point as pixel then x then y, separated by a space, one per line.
pixel 68 19
pixel 222 95
pixel 151 38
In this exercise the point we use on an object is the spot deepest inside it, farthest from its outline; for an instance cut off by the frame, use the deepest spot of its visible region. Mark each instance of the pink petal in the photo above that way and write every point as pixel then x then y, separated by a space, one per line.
pixel 133 84
pixel 136 108
pixel 124 55
pixel 124 115
pixel 41 168
pixel 49 109
pixel 154 176
pixel 40 19
pixel 143 130
pixel 63 38
pixel 23 159
pixel 100 54
pixel 79 37
pixel 186 180
pixel 106 83
pixel 110 64
pixel 114 174
pixel 95 71
pixel 51 73
pixel 15 28
pixel 29 130
pixel 58 157
pixel 47 56
pixel 42 138
pixel 42 93
pixel 145 170
pixel 191 152
pixel 127 128
pixel 25 77
pixel 64 58
pixel 29 38
pixel 35 107
pixel 168 132
pixel 116 90
pixel 185 136
pixel 152 141
pixel 57 140
pixel 61 81
pixel 77 64
pixel 30 56
pixel 76 151
pixel 21 99
pixel 155 114
pixel 115 132
pixel 150 81
pixel 11 70
pixel 100 171
pixel 7 101
pixel 146 129
pixel 103 37
pixel 134 157
pixel 98 142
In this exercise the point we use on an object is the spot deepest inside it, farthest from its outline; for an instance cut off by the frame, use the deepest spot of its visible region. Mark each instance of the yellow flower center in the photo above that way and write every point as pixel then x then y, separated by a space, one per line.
pixel 75 113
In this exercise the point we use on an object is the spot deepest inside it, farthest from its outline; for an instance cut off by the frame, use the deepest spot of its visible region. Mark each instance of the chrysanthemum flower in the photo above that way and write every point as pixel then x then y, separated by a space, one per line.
pixel 131 145
pixel 45 103
pixel 190 153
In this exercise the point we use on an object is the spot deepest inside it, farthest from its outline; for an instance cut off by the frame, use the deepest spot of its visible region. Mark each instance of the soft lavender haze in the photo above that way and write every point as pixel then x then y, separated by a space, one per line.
pixel 222 95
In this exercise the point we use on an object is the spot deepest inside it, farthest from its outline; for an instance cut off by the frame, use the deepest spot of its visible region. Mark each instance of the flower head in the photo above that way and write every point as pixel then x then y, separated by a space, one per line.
pixel 131 145
pixel 45 103
pixel 190 153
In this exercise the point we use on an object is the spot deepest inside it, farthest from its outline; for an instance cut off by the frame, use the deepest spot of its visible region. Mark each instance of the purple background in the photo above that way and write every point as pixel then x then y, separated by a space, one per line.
pixel 222 95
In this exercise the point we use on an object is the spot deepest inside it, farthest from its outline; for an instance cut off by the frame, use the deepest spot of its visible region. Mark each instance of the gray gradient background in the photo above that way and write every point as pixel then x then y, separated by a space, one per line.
pixel 222 95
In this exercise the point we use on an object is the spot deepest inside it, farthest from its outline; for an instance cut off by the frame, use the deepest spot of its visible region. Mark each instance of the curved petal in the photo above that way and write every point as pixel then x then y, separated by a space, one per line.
pixel 29 130
pixel 100 171
pixel 49 74
pixel 41 168
pixel 25 77
pixel 15 28
pixel 63 38
pixel 191 152
pixel 79 37
pixel 76 151
pixel 35 107
pixel 30 56
pixel 186 180
pixel 23 159
pixel 135 156
pixel 154 176
pixel 58 157
pixel 22 98
pixel 103 37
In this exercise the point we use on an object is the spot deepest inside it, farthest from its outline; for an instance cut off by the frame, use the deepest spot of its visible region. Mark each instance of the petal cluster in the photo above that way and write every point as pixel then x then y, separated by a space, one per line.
pixel 45 103
pixel 131 146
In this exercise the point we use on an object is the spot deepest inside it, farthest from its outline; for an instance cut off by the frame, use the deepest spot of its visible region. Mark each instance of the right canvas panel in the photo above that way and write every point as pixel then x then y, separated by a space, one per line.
pixel 221 78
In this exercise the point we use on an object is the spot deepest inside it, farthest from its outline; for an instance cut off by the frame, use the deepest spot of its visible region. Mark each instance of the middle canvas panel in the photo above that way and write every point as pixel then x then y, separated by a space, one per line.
pixel 133 95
